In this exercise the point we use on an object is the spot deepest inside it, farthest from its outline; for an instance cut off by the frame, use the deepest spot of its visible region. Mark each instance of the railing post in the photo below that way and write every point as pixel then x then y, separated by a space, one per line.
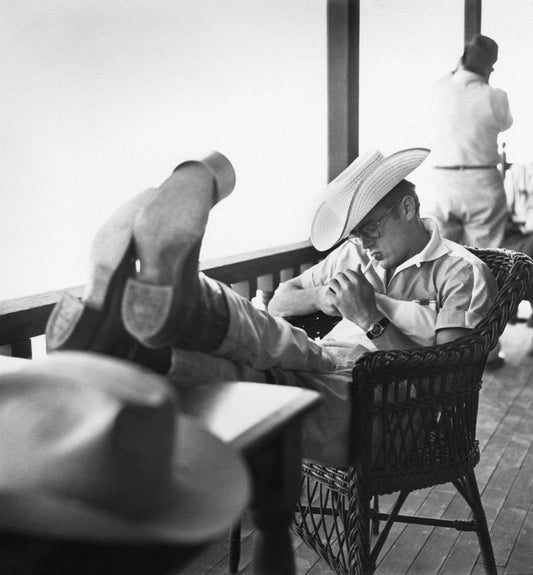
pixel 22 349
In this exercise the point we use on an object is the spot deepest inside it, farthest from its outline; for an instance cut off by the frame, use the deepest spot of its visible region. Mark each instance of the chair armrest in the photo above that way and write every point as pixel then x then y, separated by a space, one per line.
pixel 416 409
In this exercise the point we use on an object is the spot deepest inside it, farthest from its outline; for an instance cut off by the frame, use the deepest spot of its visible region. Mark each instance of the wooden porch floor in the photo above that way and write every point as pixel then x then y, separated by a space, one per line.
pixel 505 478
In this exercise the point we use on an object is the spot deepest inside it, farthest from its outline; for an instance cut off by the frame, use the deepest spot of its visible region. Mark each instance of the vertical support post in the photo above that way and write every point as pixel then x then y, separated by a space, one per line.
pixel 343 21
pixel 472 18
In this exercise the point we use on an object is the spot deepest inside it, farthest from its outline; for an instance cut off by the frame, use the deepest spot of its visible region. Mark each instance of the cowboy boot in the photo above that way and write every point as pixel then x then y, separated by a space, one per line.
pixel 94 323
pixel 169 303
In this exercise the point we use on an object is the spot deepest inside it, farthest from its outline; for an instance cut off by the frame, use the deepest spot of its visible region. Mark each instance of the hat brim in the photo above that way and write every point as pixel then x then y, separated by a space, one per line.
pixel 330 217
pixel 330 226
pixel 211 491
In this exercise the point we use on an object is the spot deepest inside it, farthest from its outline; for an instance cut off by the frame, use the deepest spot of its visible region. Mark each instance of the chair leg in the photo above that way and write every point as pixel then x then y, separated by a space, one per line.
pixel 375 518
pixel 234 548
pixel 357 528
pixel 467 487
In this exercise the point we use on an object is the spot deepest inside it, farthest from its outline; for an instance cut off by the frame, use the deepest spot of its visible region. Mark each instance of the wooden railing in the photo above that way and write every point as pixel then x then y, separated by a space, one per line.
pixel 25 318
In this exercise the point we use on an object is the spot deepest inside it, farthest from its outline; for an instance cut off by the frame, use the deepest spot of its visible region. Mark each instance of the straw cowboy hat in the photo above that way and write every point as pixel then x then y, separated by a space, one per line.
pixel 95 449
pixel 358 189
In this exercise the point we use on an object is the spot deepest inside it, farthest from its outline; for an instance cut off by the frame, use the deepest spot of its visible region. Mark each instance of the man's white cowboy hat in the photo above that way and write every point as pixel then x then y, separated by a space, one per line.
pixel 354 192
pixel 96 449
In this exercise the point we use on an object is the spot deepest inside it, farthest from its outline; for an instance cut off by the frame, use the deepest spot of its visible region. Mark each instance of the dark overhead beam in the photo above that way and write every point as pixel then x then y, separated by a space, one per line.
pixel 343 84
pixel 472 18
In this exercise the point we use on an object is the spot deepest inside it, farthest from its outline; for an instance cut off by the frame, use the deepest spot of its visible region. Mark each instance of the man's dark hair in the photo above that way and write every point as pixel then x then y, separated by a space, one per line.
pixel 404 188
pixel 479 54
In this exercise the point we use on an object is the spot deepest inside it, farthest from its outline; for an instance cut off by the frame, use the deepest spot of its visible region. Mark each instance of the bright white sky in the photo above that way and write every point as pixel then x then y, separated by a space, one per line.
pixel 100 98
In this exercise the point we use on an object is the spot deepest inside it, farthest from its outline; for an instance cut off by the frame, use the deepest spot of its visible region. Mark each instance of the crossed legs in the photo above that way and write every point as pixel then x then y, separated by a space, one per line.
pixel 146 300
pixel 144 282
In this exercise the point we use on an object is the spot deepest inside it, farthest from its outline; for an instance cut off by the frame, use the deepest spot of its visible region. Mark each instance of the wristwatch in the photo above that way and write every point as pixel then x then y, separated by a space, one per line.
pixel 376 329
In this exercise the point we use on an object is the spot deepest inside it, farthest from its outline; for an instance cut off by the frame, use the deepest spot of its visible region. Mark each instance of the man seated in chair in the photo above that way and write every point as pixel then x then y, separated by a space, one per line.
pixel 394 281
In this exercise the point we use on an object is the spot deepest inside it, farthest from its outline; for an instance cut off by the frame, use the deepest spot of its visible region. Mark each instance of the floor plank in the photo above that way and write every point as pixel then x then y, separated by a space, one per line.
pixel 521 559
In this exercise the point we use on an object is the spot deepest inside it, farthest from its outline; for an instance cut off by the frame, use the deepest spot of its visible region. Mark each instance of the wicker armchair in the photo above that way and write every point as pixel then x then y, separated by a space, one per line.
pixel 414 426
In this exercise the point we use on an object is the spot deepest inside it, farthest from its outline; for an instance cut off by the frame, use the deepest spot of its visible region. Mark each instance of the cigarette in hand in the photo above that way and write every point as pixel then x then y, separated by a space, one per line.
pixel 368 265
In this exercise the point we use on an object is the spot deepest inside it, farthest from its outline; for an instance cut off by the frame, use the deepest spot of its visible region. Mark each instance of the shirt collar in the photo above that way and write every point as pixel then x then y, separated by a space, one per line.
pixel 434 249
pixel 466 77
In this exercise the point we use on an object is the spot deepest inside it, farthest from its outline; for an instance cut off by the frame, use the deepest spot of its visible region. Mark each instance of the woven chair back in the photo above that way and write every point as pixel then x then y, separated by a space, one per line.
pixel 415 411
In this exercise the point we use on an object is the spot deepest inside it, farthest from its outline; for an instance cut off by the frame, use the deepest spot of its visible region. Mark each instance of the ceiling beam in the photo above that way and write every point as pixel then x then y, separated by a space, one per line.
pixel 343 84
pixel 472 18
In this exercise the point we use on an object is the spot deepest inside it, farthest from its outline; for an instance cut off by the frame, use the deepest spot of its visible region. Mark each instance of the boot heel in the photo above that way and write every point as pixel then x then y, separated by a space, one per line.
pixel 71 325
pixel 221 169
pixel 146 310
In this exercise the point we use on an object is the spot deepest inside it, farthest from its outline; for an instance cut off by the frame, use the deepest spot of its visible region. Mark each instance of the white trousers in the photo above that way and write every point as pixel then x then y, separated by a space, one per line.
pixel 469 205
pixel 262 348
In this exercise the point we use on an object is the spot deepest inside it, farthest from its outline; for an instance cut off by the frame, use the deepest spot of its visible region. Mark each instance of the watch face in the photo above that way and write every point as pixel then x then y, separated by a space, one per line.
pixel 377 329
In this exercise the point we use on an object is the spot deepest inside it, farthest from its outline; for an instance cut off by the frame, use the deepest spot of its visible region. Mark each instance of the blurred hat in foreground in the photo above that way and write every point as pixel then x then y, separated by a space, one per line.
pixel 96 449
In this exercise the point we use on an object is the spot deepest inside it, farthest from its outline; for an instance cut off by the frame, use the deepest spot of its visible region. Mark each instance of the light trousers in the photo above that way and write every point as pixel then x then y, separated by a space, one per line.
pixel 259 347
pixel 469 205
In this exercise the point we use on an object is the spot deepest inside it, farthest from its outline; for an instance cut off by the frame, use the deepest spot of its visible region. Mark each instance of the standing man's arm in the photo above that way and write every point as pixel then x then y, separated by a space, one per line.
pixel 501 109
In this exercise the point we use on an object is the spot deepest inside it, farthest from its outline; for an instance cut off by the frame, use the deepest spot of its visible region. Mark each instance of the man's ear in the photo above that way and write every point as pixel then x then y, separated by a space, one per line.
pixel 408 207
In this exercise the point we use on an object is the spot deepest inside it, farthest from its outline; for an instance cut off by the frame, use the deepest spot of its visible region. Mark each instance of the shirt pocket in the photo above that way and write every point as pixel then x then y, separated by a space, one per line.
pixel 415 318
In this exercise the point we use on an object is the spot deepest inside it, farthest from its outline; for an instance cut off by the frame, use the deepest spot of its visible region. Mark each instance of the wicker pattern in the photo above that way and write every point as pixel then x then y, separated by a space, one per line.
pixel 414 426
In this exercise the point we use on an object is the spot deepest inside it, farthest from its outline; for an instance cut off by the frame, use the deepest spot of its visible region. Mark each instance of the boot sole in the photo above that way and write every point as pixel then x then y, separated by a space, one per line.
pixel 78 325
pixel 94 323
pixel 152 313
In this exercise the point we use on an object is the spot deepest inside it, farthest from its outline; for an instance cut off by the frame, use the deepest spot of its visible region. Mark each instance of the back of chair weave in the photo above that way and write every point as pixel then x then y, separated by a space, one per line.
pixel 415 411
pixel 514 276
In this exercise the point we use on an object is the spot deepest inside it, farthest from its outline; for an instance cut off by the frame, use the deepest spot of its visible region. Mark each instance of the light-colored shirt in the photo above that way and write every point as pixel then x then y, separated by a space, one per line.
pixel 467 114
pixel 443 286
pixel 519 191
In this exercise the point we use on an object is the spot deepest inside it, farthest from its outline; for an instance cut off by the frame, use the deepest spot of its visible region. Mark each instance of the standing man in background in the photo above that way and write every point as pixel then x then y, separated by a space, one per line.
pixel 465 192
pixel 464 189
